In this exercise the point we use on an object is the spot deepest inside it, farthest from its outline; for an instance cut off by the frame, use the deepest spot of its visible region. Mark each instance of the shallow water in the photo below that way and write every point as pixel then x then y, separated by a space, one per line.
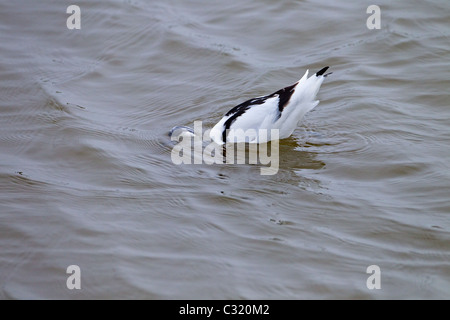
pixel 86 176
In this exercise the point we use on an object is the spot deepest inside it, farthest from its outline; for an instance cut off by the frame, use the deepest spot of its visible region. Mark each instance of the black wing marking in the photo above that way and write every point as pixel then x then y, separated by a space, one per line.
pixel 284 95
pixel 241 108
pixel 322 71
pixel 238 111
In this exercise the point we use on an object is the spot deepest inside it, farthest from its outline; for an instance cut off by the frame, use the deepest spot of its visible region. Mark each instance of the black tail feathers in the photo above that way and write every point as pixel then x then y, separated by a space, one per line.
pixel 322 71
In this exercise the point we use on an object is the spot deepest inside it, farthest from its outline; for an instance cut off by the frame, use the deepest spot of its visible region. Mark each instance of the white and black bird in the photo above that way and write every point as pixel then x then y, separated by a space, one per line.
pixel 280 110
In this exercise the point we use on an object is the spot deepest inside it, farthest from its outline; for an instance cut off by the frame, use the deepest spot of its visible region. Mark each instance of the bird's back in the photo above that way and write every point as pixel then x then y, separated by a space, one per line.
pixel 281 110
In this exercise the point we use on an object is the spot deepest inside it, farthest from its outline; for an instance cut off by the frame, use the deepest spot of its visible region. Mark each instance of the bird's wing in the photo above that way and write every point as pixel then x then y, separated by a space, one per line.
pixel 246 118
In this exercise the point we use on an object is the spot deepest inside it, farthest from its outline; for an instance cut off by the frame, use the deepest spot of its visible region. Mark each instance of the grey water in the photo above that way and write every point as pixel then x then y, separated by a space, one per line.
pixel 86 176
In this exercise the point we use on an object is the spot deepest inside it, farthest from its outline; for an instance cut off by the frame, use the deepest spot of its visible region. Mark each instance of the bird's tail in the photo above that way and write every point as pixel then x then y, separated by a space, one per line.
pixel 306 90
pixel 322 71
